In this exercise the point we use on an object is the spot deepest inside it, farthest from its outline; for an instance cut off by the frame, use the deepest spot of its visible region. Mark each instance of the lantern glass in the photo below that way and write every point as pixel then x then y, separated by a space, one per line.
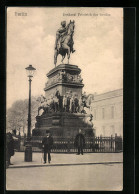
pixel 30 70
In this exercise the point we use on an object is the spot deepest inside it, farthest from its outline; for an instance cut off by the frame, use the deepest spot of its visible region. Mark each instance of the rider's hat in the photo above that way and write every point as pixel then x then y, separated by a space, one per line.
pixel 63 22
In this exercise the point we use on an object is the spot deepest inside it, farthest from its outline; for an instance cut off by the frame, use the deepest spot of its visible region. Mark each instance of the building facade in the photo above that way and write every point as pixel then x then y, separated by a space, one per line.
pixel 107 111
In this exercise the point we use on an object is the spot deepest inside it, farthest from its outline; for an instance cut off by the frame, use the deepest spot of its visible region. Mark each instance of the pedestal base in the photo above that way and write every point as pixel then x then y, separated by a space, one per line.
pixel 63 124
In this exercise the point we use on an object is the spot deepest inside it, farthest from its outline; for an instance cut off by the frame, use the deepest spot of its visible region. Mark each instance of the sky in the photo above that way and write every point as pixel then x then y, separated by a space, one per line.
pixel 98 41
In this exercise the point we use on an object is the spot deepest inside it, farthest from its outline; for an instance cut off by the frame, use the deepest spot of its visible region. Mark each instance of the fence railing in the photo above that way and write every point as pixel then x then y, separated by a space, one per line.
pixel 66 145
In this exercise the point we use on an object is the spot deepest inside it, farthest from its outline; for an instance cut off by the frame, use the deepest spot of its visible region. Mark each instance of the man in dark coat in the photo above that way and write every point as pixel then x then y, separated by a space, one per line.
pixel 79 142
pixel 9 147
pixel 47 143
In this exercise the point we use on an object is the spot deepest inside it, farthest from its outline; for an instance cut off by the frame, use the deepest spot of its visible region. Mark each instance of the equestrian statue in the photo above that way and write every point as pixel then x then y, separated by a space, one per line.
pixel 64 41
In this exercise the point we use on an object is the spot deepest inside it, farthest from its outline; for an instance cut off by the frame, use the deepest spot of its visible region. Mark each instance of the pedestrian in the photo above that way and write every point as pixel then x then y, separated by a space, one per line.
pixel 47 143
pixel 9 147
pixel 79 142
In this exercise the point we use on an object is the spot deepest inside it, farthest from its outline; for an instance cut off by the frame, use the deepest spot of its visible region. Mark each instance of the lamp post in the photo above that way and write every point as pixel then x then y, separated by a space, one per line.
pixel 28 149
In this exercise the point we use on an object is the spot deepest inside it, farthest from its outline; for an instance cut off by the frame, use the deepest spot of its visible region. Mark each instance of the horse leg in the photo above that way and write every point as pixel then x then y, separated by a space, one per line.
pixel 39 110
pixel 68 57
pixel 63 57
pixel 55 57
pixel 65 46
pixel 68 54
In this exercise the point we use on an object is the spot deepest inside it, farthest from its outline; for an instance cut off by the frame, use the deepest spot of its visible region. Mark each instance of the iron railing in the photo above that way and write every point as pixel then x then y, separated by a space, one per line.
pixel 66 145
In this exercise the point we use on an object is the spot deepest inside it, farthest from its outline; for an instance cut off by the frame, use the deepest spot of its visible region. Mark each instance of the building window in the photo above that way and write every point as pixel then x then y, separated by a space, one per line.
pixel 103 113
pixel 112 112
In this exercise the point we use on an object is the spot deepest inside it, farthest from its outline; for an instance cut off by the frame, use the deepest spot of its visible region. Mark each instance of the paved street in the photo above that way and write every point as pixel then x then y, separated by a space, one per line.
pixel 66 159
pixel 67 172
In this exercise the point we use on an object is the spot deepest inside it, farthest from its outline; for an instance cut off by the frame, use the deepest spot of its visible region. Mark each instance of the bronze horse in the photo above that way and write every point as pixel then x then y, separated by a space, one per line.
pixel 66 43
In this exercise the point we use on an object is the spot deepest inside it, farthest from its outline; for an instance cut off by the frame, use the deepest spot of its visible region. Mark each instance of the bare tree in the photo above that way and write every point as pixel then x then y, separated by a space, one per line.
pixel 17 115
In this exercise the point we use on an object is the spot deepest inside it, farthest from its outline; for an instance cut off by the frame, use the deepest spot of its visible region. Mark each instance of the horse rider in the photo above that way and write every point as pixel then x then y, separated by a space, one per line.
pixel 59 35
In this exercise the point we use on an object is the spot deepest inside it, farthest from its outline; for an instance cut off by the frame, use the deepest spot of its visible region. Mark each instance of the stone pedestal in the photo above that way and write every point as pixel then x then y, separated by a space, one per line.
pixel 67 80
pixel 63 124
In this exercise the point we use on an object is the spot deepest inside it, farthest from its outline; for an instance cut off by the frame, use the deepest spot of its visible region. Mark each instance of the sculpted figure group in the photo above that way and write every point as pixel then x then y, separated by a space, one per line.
pixel 67 103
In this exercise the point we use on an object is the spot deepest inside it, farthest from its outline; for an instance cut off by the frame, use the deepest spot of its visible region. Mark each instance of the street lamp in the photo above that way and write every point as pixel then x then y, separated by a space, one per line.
pixel 28 150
